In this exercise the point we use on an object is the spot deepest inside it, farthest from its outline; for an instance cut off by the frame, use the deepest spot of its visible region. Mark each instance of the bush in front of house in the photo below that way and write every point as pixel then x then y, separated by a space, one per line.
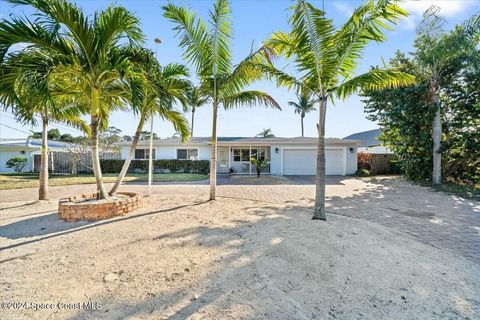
pixel 173 166
pixel 363 173
pixel 16 163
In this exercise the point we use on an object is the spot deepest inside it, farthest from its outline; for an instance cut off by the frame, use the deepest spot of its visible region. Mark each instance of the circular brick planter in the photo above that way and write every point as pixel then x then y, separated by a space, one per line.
pixel 83 208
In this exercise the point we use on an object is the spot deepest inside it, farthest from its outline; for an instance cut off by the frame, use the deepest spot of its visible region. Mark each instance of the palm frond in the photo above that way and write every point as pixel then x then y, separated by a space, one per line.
pixel 220 37
pixel 194 37
pixel 376 79
pixel 249 99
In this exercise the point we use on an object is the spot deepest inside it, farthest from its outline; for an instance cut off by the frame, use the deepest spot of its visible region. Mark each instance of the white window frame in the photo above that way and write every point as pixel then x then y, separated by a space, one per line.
pixel 187 148
pixel 146 157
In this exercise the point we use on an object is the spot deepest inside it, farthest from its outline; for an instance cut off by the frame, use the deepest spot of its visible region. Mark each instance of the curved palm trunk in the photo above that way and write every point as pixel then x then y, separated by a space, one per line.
pixel 94 126
pixel 319 211
pixel 130 154
pixel 43 190
pixel 193 120
pixel 437 139
pixel 213 158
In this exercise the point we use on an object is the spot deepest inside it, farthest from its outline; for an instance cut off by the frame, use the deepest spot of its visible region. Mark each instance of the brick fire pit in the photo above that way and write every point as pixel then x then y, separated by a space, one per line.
pixel 83 207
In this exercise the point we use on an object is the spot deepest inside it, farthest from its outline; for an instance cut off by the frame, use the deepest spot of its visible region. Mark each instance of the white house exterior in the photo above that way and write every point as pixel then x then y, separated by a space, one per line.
pixel 25 148
pixel 286 156
pixel 369 142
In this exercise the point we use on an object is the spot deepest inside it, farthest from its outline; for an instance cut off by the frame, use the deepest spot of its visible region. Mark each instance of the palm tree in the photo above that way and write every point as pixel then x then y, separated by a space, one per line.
pixel 25 89
pixel 266 133
pixel 210 52
pixel 154 90
pixel 195 99
pixel 304 105
pixel 439 54
pixel 327 58
pixel 87 49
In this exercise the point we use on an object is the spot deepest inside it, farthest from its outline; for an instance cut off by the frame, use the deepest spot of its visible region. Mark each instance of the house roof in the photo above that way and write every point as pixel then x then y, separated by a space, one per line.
pixel 368 138
pixel 224 141
pixel 31 143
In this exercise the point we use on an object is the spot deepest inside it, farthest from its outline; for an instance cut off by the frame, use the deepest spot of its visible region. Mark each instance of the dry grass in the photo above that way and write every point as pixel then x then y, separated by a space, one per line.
pixel 29 180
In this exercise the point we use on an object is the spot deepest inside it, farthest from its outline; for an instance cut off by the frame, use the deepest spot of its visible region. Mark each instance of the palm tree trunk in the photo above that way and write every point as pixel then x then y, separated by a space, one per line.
pixel 150 158
pixel 319 211
pixel 130 154
pixel 213 160
pixel 437 141
pixel 94 126
pixel 193 120
pixel 301 119
pixel 43 190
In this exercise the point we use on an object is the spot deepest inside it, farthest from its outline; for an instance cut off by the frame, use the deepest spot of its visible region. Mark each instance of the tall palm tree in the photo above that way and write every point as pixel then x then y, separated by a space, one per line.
pixel 25 89
pixel 304 105
pixel 266 133
pixel 87 48
pixel 209 49
pixel 195 99
pixel 439 54
pixel 154 90
pixel 326 59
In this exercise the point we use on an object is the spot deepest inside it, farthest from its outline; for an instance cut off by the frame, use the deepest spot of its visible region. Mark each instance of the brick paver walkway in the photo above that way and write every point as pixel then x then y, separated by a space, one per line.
pixel 444 221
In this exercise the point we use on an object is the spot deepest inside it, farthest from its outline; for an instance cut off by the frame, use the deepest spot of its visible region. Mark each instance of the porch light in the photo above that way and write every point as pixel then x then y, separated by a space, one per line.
pixel 352 150
pixel 276 150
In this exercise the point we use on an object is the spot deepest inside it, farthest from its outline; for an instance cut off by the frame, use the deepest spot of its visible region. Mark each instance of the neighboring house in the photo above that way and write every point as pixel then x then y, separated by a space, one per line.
pixel 370 142
pixel 27 148
pixel 286 156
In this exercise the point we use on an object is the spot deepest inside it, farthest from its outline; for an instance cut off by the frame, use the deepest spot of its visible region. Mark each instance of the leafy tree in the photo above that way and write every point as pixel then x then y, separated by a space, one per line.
pixel 326 60
pixel 210 51
pixel 127 138
pixel 25 89
pixel 53 134
pixel 16 163
pixel 266 133
pixel 145 135
pixel 194 100
pixel 438 56
pixel 35 134
pixel 66 137
pixel 304 105
pixel 92 69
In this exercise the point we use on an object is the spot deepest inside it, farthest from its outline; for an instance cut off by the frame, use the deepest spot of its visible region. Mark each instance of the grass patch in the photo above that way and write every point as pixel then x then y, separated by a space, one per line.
pixel 30 180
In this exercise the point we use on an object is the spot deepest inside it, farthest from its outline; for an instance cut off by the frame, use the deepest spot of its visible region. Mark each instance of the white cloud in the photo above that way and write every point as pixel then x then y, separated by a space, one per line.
pixel 448 8
pixel 416 8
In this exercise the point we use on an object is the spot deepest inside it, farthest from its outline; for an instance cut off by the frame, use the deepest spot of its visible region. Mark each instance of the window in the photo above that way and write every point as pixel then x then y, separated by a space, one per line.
pixel 241 155
pixel 141 154
pixel 258 154
pixel 187 154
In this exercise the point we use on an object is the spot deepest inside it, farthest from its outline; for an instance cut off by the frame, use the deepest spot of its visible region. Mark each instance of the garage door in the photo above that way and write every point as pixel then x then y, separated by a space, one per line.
pixel 304 161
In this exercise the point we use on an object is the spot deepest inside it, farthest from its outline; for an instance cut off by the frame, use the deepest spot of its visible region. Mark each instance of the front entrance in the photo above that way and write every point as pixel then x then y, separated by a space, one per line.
pixel 240 158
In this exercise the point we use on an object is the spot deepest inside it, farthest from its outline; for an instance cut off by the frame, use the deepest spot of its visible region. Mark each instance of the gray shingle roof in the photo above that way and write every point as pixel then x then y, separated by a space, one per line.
pixel 245 141
pixel 369 138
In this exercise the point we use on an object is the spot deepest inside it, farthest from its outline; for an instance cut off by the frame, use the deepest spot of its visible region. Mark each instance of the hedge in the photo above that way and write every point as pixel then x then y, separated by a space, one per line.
pixel 173 166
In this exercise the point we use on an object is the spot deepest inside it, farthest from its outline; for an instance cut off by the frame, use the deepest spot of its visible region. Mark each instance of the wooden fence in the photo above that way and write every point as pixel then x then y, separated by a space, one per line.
pixel 380 163
pixel 69 163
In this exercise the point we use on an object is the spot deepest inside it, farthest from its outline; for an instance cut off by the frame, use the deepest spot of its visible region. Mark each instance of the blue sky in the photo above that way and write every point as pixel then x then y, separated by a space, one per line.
pixel 253 21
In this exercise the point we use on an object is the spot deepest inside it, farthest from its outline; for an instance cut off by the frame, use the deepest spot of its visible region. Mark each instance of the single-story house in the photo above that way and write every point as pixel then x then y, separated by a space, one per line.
pixel 369 142
pixel 286 156
pixel 26 148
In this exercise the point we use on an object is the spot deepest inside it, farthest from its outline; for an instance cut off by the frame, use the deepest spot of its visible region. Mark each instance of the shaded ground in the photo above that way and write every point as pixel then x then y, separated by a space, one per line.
pixel 253 253
pixel 29 180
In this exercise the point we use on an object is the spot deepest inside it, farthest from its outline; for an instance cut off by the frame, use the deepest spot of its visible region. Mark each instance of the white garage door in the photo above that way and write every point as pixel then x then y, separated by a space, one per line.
pixel 304 161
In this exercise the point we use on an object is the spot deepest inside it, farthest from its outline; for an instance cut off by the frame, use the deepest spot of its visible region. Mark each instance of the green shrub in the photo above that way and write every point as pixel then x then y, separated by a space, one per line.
pixel 173 165
pixel 17 163
pixel 363 173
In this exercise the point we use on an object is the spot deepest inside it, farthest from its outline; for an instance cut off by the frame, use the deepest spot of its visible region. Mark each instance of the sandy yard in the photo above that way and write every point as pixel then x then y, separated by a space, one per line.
pixel 252 254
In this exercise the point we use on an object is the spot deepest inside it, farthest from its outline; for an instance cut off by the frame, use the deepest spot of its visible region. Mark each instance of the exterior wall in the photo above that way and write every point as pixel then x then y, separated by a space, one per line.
pixel 375 150
pixel 170 152
pixel 276 158
pixel 7 154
